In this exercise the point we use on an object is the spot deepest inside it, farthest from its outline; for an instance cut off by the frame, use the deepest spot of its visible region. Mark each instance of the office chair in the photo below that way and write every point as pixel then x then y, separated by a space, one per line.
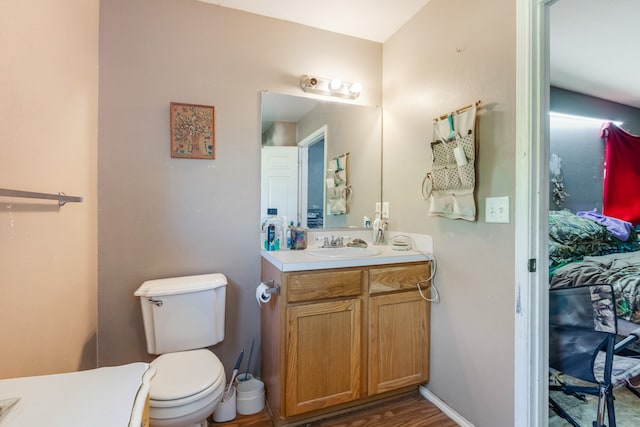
pixel 582 344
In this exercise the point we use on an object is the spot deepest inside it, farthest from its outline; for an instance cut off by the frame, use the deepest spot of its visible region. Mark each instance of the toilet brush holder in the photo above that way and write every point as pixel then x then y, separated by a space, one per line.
pixel 226 409
pixel 250 397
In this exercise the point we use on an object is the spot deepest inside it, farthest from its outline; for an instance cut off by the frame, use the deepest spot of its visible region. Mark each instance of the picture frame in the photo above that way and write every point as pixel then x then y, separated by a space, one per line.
pixel 192 131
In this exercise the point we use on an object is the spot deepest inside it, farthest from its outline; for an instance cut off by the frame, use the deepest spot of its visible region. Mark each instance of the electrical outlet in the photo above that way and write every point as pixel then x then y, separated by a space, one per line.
pixel 385 210
pixel 497 210
pixel 378 208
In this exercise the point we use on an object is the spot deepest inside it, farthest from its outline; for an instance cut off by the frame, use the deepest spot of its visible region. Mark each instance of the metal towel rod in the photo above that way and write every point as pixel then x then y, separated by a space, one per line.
pixel 60 197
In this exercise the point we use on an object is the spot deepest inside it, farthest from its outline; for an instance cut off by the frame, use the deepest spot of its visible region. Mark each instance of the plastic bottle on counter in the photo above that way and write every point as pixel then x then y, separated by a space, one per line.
pixel 273 227
pixel 289 232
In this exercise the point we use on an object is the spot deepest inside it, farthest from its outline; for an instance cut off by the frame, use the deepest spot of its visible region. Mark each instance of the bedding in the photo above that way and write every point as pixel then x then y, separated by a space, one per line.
pixel 572 237
pixel 582 251
pixel 622 271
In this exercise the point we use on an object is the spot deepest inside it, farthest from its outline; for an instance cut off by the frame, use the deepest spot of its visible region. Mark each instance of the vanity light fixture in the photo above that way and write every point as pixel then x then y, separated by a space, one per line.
pixel 331 87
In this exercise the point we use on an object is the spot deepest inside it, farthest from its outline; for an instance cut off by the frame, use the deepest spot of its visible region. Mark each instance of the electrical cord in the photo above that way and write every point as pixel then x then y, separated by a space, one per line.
pixel 403 240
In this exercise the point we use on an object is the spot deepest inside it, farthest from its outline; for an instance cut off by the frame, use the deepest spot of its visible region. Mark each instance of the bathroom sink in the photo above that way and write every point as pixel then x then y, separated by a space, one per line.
pixel 343 252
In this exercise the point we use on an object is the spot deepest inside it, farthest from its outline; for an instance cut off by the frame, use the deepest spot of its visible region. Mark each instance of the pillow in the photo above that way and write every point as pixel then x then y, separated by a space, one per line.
pixel 570 229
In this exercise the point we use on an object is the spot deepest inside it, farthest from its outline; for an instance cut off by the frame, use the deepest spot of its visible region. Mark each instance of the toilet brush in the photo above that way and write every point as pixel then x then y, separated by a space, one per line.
pixel 246 374
pixel 225 396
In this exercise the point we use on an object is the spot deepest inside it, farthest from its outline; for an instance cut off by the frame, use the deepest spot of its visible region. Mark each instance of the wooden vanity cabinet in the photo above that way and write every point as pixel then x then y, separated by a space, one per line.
pixel 398 327
pixel 324 344
pixel 336 338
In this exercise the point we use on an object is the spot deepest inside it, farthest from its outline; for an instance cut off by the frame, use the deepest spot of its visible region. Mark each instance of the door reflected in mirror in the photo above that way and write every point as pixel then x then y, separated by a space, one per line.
pixel 321 160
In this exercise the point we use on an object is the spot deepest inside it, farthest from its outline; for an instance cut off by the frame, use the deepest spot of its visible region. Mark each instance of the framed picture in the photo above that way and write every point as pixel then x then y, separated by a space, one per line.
pixel 193 131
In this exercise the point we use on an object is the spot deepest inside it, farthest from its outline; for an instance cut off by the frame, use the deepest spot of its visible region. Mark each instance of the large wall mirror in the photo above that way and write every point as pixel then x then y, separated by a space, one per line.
pixel 321 160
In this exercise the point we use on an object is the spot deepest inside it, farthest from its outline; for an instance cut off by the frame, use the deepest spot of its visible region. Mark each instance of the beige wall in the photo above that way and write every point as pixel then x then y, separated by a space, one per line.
pixel 451 54
pixel 162 217
pixel 48 135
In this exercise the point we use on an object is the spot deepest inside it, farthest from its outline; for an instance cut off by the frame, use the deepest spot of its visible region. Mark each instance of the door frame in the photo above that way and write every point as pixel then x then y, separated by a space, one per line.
pixel 532 203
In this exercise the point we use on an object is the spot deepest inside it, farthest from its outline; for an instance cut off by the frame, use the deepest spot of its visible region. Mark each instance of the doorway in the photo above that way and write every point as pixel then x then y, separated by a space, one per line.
pixel 312 179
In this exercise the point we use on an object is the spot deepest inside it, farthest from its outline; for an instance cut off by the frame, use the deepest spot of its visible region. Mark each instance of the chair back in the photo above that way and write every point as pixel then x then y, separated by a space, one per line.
pixel 582 322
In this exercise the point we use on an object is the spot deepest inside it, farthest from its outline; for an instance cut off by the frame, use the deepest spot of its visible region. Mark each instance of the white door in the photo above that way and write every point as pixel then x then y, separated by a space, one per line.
pixel 279 181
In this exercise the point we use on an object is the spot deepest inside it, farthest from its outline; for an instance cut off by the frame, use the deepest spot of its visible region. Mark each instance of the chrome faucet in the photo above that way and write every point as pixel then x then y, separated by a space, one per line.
pixel 333 243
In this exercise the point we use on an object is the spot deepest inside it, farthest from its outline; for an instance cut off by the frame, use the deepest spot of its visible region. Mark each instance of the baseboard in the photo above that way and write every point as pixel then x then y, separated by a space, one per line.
pixel 446 409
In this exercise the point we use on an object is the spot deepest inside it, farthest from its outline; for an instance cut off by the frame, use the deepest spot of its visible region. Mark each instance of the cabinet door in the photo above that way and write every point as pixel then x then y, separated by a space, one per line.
pixel 398 341
pixel 323 355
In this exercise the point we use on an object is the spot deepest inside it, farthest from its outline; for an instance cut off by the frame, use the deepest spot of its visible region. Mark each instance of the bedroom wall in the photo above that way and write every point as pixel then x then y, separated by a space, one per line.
pixel 48 139
pixel 162 217
pixel 579 146
pixel 452 53
pixel 569 102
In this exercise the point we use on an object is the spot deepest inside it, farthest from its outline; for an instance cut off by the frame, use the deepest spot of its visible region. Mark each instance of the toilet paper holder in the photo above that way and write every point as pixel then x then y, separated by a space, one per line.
pixel 271 289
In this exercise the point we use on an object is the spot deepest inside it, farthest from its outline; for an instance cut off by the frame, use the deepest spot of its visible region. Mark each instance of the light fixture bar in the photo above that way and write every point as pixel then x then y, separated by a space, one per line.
pixel 583 118
pixel 330 87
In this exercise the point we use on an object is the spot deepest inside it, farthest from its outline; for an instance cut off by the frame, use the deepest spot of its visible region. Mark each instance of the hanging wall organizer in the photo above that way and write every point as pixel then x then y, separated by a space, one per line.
pixel 449 185
pixel 338 187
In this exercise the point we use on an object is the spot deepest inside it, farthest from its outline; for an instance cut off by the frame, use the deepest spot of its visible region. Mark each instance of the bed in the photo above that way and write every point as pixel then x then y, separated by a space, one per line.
pixel 583 251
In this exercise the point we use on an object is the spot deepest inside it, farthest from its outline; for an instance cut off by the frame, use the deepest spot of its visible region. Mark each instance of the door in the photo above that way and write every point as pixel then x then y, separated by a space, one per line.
pixel 398 341
pixel 279 181
pixel 324 352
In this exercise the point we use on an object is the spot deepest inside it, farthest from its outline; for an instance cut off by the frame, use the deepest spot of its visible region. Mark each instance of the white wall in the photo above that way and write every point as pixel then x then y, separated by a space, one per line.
pixel 48 136
pixel 452 53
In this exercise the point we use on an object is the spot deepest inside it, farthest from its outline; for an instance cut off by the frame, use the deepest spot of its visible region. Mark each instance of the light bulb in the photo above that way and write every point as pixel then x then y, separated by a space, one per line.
pixel 355 88
pixel 335 84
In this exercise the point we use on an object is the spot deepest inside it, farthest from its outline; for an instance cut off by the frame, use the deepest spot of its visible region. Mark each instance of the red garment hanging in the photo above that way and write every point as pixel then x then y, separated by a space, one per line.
pixel 621 189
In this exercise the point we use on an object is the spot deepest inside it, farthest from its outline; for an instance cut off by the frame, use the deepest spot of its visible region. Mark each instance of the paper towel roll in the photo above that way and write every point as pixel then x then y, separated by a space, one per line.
pixel 262 296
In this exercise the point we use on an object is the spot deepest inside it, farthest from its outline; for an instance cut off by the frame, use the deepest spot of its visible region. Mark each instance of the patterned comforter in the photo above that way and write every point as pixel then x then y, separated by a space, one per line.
pixel 621 270
pixel 585 252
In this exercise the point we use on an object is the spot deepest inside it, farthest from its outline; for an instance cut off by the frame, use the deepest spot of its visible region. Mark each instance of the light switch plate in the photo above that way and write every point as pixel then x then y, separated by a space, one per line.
pixel 497 210
pixel 385 210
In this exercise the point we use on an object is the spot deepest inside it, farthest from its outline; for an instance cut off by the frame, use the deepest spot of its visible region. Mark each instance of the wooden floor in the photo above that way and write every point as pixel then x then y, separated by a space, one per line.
pixel 407 411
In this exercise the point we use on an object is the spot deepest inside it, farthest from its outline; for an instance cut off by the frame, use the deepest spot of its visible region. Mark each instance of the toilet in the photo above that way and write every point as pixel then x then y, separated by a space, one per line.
pixel 182 316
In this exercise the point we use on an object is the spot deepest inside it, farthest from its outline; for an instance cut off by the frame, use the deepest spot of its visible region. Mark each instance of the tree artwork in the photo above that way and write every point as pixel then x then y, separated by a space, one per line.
pixel 192 131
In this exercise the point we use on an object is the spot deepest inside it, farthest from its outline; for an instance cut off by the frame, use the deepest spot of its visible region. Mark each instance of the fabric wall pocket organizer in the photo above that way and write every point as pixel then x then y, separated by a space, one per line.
pixel 450 184
pixel 338 188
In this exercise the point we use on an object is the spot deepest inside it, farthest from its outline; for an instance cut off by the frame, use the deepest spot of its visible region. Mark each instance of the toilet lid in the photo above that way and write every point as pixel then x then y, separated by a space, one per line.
pixel 184 373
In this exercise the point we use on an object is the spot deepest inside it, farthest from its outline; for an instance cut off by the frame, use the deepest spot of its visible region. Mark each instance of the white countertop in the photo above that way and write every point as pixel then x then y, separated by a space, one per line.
pixel 103 397
pixel 299 260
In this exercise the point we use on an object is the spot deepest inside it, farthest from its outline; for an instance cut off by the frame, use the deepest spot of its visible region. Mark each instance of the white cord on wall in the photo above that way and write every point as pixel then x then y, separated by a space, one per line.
pixel 401 240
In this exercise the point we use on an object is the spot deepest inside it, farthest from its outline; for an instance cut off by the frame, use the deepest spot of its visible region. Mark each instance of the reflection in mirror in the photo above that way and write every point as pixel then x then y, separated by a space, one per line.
pixel 321 160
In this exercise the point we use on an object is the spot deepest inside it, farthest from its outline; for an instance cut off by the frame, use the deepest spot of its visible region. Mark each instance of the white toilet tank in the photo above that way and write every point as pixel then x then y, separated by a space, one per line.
pixel 183 313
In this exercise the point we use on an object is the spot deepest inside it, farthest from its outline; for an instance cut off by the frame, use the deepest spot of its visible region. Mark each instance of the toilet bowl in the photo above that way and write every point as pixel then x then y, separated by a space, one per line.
pixel 186 388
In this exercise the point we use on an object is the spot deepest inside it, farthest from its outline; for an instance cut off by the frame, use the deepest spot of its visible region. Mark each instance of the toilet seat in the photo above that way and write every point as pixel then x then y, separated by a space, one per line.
pixel 186 383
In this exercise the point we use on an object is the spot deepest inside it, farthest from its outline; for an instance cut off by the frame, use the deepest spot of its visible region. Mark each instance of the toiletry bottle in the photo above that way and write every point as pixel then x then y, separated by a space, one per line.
pixel 272 225
pixel 289 235
pixel 271 237
pixel 377 230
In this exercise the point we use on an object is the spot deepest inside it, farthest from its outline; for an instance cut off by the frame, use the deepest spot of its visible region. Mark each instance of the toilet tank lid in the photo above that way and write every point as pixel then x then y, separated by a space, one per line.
pixel 181 285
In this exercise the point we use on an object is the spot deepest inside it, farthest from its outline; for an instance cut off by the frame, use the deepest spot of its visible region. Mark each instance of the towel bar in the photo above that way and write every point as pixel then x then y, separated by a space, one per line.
pixel 60 197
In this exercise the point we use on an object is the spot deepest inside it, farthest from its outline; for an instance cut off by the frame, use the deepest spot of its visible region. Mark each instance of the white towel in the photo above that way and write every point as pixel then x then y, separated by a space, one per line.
pixel 337 200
